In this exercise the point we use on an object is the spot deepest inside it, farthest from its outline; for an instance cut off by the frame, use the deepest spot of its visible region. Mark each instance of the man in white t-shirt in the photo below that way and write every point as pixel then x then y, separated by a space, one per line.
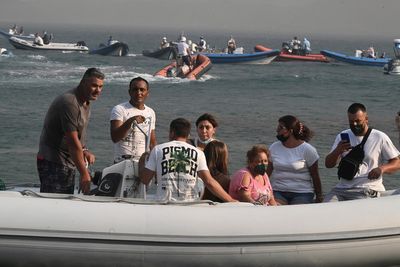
pixel 381 156
pixel 129 119
pixel 177 166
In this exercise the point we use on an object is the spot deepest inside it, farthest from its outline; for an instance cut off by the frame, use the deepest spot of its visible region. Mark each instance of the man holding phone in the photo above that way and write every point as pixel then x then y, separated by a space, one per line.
pixel 381 156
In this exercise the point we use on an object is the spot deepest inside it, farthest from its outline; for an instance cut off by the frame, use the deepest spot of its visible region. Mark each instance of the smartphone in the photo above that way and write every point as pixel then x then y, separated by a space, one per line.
pixel 345 137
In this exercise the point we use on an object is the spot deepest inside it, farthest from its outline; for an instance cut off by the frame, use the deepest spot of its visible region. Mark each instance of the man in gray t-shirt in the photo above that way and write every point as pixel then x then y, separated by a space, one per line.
pixel 62 142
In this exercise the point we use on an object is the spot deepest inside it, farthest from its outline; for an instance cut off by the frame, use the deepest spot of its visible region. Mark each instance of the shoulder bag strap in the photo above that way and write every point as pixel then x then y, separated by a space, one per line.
pixel 365 137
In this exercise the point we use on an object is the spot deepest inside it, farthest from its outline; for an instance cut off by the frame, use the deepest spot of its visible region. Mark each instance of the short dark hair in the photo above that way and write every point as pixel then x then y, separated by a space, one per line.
pixel 181 127
pixel 355 107
pixel 137 79
pixel 93 72
pixel 207 117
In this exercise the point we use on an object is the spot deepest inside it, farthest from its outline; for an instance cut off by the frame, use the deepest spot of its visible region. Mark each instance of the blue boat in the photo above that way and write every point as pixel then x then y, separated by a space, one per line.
pixel 366 61
pixel 114 49
pixel 245 58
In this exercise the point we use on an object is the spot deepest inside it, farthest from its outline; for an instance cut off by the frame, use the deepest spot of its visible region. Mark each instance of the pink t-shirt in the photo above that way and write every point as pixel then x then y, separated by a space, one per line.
pixel 259 192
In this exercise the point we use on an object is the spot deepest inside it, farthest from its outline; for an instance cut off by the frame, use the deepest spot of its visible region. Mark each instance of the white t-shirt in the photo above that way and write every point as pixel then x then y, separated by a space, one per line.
pixel 291 167
pixel 134 143
pixel 377 150
pixel 172 185
pixel 182 48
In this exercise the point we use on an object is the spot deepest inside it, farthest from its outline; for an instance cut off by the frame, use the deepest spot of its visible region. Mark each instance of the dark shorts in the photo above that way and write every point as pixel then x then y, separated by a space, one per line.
pixel 293 198
pixel 55 178
pixel 186 60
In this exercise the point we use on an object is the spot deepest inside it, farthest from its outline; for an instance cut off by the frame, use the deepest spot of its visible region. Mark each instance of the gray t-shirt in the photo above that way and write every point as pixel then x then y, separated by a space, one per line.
pixel 65 114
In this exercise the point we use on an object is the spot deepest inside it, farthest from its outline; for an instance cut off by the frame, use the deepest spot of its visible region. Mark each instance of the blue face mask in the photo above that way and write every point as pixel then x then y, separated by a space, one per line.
pixel 260 169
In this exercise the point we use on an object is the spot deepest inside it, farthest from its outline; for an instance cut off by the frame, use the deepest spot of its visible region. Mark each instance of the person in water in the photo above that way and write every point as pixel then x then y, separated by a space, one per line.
pixel 206 126
pixel 62 147
pixel 177 166
pixel 129 119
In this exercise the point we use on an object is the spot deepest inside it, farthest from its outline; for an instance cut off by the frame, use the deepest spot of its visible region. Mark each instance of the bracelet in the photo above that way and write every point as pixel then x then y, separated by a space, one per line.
pixel 85 149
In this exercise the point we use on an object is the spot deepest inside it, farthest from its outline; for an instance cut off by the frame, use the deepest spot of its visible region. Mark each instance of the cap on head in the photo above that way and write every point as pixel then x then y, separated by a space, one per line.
pixel 183 39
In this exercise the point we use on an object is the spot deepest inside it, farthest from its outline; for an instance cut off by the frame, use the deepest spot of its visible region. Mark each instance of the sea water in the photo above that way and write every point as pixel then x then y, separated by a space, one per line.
pixel 246 99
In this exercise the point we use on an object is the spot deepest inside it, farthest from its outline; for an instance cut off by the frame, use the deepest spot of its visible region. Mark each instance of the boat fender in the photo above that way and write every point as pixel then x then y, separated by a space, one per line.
pixel 109 185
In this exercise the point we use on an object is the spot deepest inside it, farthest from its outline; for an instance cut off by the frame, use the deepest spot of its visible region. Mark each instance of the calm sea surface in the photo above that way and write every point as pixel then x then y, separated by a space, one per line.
pixel 246 99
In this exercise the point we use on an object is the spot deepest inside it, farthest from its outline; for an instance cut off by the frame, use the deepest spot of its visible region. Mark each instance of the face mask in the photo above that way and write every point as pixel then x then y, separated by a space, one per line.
pixel 260 169
pixel 357 129
pixel 282 138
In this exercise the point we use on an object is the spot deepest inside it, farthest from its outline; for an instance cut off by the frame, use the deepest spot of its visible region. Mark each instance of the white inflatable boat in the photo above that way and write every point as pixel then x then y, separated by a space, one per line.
pixel 29 45
pixel 64 230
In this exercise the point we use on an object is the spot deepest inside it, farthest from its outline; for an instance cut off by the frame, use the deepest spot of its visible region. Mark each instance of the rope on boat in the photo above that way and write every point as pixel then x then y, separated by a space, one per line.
pixel 115 200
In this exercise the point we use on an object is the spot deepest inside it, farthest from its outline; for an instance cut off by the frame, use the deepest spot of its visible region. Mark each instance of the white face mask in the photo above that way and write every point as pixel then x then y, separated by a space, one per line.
pixel 204 142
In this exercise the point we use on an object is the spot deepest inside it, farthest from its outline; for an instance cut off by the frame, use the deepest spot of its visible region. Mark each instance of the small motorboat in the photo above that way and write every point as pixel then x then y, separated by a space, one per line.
pixel 264 57
pixel 11 33
pixel 115 227
pixel 168 53
pixel 357 60
pixel 284 55
pixel 202 64
pixel 115 48
pixel 393 66
pixel 29 45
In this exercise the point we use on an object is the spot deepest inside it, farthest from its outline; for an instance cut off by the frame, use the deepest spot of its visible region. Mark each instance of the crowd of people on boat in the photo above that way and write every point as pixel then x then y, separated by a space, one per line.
pixel 295 46
pixel 286 173
pixel 16 30
pixel 43 39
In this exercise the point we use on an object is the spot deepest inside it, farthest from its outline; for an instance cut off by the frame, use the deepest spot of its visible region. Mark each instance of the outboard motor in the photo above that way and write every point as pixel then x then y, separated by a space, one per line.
pixel 119 180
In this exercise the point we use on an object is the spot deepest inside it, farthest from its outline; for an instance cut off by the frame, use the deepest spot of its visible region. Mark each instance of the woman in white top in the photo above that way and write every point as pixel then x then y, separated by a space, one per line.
pixel 294 164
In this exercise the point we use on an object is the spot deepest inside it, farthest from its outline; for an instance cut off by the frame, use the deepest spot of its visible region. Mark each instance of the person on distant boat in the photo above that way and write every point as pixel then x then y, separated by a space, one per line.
pixel 231 45
pixel 62 147
pixel 164 43
pixel 202 45
pixel 128 118
pixel 21 30
pixel 216 153
pixel 206 126
pixel 381 156
pixel 251 184
pixel 38 40
pixel 306 46
pixel 293 166
pixel 111 40
pixel 184 53
pixel 192 47
pixel 13 30
pixel 177 167
pixel 370 52
pixel 295 45
pixel 46 38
